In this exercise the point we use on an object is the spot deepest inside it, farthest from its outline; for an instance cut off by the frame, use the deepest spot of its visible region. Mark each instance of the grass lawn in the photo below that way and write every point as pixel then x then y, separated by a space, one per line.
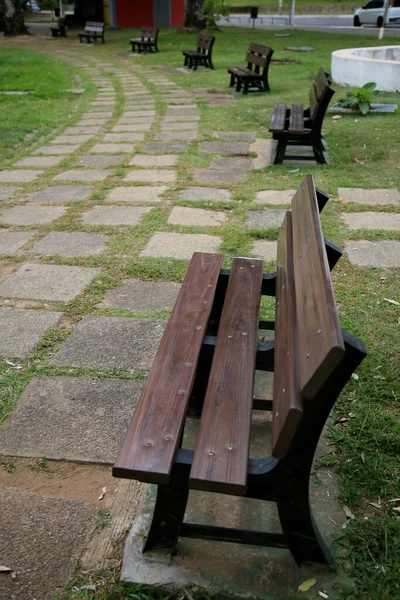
pixel 365 153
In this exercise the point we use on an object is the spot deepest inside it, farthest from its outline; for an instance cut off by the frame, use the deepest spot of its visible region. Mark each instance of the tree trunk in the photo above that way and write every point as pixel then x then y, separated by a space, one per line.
pixel 13 17
pixel 193 12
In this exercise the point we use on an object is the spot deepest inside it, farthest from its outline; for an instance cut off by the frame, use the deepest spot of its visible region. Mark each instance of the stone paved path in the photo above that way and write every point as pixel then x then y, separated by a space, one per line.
pixel 114 182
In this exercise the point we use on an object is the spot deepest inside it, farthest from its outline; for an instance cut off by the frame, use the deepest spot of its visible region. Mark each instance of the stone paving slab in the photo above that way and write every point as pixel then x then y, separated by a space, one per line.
pixel 240 136
pixel 136 120
pixel 275 196
pixel 39 161
pixel 373 254
pixel 265 249
pixel 57 150
pixel 139 113
pixel 12 241
pixel 61 193
pixel 98 412
pixel 178 118
pixel 270 218
pixel 90 122
pixel 123 137
pixel 42 539
pixel 218 176
pixel 183 108
pixel 105 114
pixel 236 162
pixel 263 149
pixel 142 296
pixel 71 139
pixel 82 175
pixel 71 243
pixel 176 135
pixel 196 217
pixel 100 108
pixel 136 195
pixel 154 160
pixel 19 176
pixel 31 215
pixel 112 343
pixel 372 220
pixel 180 126
pixel 162 147
pixel 82 130
pixel 21 330
pixel 47 282
pixel 205 193
pixel 180 245
pixel 6 191
pixel 101 160
pixel 112 148
pixel 151 176
pixel 370 197
pixel 131 127
pixel 115 215
pixel 225 147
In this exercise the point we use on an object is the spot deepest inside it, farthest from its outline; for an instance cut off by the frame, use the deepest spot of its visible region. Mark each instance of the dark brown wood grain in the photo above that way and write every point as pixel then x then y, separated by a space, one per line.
pixel 150 444
pixel 287 402
pixel 296 121
pixel 278 118
pixel 222 448
pixel 320 341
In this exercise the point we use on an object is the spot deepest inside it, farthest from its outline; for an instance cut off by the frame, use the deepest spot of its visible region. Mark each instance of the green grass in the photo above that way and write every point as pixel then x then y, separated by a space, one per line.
pixel 365 153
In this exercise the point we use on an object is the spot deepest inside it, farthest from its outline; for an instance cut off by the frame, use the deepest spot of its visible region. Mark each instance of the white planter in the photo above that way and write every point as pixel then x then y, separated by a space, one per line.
pixel 357 66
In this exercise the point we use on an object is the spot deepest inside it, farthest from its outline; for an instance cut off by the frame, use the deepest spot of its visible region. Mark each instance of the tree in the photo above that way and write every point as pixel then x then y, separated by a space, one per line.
pixel 12 17
pixel 194 14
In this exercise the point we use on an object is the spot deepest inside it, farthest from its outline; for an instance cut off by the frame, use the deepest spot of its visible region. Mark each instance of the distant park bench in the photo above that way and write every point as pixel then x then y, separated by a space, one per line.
pixel 60 30
pixel 93 31
pixel 255 76
pixel 147 41
pixel 203 53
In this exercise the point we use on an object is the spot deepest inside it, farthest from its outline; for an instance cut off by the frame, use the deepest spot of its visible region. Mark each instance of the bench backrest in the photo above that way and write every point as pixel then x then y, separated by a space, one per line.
pixel 258 56
pixel 308 343
pixel 94 26
pixel 205 43
pixel 320 96
pixel 149 33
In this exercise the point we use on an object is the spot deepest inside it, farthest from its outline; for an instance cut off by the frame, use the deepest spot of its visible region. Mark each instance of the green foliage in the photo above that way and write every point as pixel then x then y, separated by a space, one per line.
pixel 359 98
pixel 212 11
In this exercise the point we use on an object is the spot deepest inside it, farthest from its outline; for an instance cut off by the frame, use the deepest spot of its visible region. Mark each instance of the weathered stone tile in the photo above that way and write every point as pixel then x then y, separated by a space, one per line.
pixel 180 126
pixel 265 155
pixel 176 135
pixel 275 196
pixel 179 118
pixel 70 243
pixel 6 191
pixel 105 114
pixel 139 113
pixel 104 160
pixel 19 176
pixel 374 254
pixel 82 130
pixel 21 330
pixel 225 147
pixel 154 160
pixel 165 147
pixel 115 215
pixel 47 282
pixel 235 163
pixel 265 249
pixel 270 218
pixel 218 176
pixel 61 193
pixel 180 245
pixel 123 137
pixel 112 148
pixel 57 150
pixel 71 139
pixel 112 342
pixel 131 127
pixel 205 193
pixel 142 296
pixel 90 122
pixel 149 176
pixel 39 161
pixel 12 241
pixel 136 121
pixel 242 136
pixel 370 197
pixel 372 220
pixel 136 195
pixel 31 215
pixel 82 175
pixel 196 217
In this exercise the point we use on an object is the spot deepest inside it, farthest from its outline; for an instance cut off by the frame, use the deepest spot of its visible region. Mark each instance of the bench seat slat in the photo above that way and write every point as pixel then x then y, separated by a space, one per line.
pixel 222 448
pixel 296 120
pixel 278 118
pixel 320 339
pixel 149 447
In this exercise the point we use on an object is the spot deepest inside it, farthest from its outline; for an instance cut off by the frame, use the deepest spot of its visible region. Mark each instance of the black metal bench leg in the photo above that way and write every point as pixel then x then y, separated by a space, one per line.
pixel 169 511
pixel 319 153
pixel 303 537
pixel 280 152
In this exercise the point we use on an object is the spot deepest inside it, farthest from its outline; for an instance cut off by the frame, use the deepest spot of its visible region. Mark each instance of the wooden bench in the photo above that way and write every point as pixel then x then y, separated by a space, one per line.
pixel 93 31
pixel 147 41
pixel 60 30
pixel 202 55
pixel 207 359
pixel 296 126
pixel 255 76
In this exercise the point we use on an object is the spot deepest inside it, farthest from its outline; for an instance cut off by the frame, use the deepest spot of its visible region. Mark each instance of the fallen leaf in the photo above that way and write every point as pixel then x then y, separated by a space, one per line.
pixel 103 493
pixel 387 300
pixel 375 504
pixel 4 569
pixel 395 500
pixel 397 508
pixel 307 585
pixel 323 594
pixel 363 456
pixel 358 161
pixel 352 415
pixel 348 512
pixel 336 117
pixel 355 376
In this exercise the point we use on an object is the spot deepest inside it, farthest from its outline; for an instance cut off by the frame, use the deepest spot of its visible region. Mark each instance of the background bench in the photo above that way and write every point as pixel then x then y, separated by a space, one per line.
pixel 207 358
pixel 295 126
pixel 255 76
pixel 147 41
pixel 93 31
pixel 60 30
pixel 202 55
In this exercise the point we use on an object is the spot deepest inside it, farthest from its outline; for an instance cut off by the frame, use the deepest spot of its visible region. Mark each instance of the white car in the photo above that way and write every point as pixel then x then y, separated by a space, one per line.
pixel 372 13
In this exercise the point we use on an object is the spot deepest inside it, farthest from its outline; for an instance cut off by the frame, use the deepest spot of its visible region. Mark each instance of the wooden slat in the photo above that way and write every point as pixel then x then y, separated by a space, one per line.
pixel 222 448
pixel 287 402
pixel 256 60
pixel 149 447
pixel 321 82
pixel 259 48
pixel 314 102
pixel 278 118
pixel 320 341
pixel 296 120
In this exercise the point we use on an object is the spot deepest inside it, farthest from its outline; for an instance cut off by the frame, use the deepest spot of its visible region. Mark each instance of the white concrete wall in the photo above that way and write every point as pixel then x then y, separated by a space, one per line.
pixel 358 66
